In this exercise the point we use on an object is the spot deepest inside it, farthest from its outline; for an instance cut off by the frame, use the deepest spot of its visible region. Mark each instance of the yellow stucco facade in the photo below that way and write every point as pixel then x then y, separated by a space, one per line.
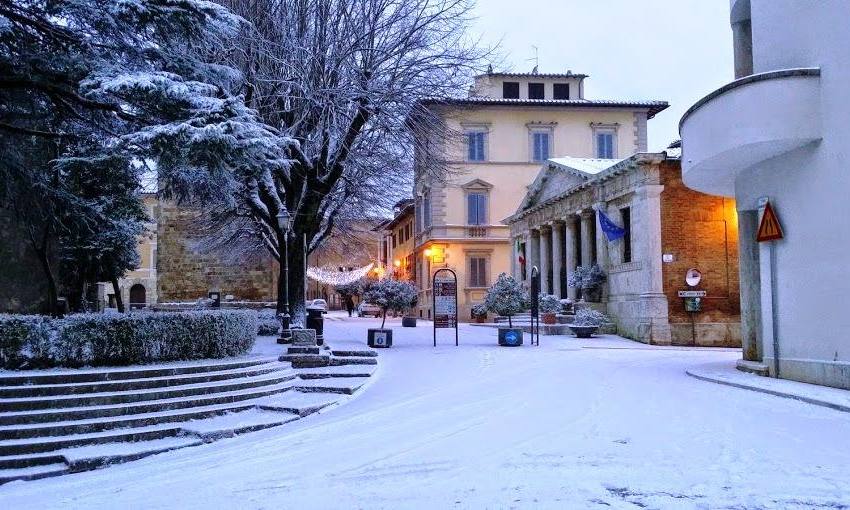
pixel 495 150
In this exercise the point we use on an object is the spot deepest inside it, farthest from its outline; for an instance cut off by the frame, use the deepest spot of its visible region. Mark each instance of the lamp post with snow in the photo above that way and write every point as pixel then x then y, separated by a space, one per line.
pixel 284 222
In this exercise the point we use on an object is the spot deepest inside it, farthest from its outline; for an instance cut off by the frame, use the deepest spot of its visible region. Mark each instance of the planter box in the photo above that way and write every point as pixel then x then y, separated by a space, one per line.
pixel 583 331
pixel 510 337
pixel 379 338
pixel 408 322
pixel 548 318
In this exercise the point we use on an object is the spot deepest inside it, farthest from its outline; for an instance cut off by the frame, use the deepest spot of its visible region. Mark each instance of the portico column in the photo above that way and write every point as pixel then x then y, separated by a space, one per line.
pixel 534 251
pixel 545 258
pixel 571 253
pixel 587 217
pixel 557 259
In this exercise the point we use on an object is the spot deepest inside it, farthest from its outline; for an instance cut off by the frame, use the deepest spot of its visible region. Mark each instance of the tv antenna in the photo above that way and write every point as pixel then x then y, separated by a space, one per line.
pixel 534 59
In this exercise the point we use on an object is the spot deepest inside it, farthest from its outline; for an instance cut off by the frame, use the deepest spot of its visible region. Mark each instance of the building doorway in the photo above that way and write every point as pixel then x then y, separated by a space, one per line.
pixel 138 296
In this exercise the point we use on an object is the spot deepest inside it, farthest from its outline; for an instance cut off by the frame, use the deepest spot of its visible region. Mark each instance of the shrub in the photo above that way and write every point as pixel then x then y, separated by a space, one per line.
pixel 506 297
pixel 124 339
pixel 391 295
pixel 587 277
pixel 589 317
pixel 548 303
pixel 267 322
pixel 25 341
pixel 479 310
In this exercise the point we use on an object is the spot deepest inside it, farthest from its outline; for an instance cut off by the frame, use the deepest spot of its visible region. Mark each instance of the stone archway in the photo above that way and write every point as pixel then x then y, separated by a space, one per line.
pixel 138 296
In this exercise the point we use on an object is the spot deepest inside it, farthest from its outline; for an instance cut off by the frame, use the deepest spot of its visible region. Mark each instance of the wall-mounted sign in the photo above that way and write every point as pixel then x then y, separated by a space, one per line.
pixel 693 277
pixel 769 229
pixel 667 257
pixel 692 293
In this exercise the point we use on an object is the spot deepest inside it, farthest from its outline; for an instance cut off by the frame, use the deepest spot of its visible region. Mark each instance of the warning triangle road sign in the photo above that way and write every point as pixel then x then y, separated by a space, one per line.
pixel 769 228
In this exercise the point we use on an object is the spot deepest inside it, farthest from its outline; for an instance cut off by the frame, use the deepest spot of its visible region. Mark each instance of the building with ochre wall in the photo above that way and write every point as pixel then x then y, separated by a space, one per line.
pixel 496 140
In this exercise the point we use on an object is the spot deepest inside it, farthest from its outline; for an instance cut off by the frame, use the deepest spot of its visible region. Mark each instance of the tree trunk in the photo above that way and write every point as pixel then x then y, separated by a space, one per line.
pixel 119 301
pixel 297 277
pixel 52 292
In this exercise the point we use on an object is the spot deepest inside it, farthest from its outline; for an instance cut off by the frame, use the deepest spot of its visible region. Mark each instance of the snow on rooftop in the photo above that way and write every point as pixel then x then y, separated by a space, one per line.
pixel 590 166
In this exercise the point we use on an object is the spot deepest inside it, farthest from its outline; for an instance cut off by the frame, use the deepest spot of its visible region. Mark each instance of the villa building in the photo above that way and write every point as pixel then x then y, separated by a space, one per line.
pixel 498 136
pixel 778 136
pixel 664 231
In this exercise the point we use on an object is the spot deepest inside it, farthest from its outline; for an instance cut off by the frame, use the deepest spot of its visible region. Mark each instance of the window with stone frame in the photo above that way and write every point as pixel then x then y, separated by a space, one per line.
pixel 476 208
pixel 476 145
pixel 477 275
pixel 540 141
pixel 605 140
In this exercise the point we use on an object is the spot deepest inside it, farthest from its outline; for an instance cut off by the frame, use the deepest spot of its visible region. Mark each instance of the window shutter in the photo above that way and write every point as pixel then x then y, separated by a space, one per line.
pixel 470 143
pixel 480 146
pixel 544 144
pixel 482 209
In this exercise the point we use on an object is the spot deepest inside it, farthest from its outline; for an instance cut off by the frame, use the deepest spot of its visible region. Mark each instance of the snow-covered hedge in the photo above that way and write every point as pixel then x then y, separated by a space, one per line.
pixel 24 339
pixel 125 339
pixel 267 322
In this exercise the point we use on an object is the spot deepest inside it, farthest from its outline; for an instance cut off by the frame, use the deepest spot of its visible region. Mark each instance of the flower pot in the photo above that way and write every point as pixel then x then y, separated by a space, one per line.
pixel 408 322
pixel 548 318
pixel 379 337
pixel 583 331
pixel 510 337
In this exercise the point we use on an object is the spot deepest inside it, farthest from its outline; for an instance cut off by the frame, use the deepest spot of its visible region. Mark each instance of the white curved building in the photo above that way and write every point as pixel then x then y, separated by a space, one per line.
pixel 780 133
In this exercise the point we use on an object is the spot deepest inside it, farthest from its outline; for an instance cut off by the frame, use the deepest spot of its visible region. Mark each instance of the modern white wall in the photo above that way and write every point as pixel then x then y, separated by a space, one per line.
pixel 809 189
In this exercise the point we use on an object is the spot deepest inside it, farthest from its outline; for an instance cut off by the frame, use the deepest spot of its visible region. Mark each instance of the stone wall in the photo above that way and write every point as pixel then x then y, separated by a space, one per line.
pixel 184 274
pixel 700 231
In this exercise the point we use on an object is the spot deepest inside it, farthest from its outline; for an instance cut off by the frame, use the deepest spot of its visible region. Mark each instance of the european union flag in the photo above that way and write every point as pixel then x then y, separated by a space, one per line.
pixel 612 231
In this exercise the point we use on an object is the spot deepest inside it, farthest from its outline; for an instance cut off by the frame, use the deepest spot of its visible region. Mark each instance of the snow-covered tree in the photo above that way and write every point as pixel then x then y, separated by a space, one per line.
pixel 391 295
pixel 86 81
pixel 343 79
pixel 506 297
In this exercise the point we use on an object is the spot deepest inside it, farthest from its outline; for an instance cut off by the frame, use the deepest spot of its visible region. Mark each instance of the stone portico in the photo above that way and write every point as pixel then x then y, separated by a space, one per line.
pixel 556 229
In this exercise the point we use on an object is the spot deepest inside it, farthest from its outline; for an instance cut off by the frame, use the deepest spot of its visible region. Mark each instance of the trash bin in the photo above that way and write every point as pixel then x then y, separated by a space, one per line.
pixel 317 322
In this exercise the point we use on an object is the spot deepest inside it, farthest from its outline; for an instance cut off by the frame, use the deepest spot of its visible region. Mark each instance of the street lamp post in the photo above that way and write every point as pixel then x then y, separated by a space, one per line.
pixel 284 222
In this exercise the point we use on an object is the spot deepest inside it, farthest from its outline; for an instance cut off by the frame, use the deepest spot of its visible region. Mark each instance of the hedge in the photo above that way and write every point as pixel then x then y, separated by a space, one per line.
pixel 28 341
pixel 267 322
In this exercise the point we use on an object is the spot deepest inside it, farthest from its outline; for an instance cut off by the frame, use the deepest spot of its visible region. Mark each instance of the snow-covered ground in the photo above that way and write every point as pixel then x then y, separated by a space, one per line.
pixel 602 423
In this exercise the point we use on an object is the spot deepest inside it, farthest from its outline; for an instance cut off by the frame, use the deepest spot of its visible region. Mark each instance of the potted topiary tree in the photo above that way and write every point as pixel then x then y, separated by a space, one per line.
pixel 409 320
pixel 389 295
pixel 587 321
pixel 548 305
pixel 589 280
pixel 506 297
pixel 479 313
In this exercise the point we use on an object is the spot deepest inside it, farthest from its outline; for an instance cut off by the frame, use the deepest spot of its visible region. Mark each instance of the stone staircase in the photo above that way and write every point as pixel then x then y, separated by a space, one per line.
pixel 58 422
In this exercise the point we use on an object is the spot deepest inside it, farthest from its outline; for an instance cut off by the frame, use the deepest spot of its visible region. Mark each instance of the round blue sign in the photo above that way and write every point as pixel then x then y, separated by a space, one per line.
pixel 511 337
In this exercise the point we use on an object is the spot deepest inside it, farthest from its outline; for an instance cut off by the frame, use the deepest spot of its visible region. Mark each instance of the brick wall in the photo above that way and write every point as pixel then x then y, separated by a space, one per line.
pixel 186 275
pixel 700 231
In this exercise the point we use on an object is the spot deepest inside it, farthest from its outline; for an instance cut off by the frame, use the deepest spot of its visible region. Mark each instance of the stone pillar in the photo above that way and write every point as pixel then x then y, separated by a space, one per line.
pixel 587 217
pixel 571 253
pixel 749 268
pixel 514 258
pixel 533 252
pixel 545 259
pixel 557 259
pixel 654 325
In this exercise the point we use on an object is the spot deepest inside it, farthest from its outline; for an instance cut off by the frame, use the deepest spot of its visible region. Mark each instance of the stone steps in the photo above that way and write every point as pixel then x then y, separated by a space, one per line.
pixel 280 373
pixel 155 381
pixel 65 421
pixel 114 374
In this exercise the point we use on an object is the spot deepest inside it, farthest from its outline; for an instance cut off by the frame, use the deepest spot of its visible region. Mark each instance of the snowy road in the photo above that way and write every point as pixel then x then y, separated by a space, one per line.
pixel 601 423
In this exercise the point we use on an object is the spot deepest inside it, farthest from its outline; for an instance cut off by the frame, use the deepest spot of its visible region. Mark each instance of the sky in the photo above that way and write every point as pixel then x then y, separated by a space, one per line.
pixel 673 50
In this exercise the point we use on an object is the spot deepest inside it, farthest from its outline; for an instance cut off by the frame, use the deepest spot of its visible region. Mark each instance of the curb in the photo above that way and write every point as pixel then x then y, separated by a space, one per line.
pixel 802 398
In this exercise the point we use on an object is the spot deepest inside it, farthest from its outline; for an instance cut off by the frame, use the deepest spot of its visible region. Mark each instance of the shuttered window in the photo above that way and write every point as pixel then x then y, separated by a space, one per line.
pixel 540 145
pixel 476 209
pixel 477 272
pixel 475 146
pixel 605 145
